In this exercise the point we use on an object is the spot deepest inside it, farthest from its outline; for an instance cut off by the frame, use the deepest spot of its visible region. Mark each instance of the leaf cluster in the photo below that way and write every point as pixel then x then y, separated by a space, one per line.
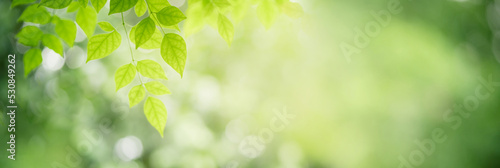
pixel 148 33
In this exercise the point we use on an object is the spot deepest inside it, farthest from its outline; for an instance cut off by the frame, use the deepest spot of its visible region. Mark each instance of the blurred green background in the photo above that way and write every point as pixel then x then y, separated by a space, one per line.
pixel 360 114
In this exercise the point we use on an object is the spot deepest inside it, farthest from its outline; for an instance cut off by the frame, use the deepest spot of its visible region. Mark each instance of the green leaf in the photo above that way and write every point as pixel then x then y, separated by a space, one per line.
pixel 73 6
pixel 53 43
pixel 226 29
pixel 20 2
pixel 87 19
pixel 153 43
pixel 66 29
pixel 32 58
pixel 267 13
pixel 151 69
pixel 154 16
pixel 293 9
pixel 135 95
pixel 98 4
pixel 29 36
pixel 156 113
pixel 118 6
pixel 124 75
pixel 56 4
pixel 170 15
pixel 173 51
pixel 157 5
pixel 106 26
pixel 156 88
pixel 83 3
pixel 102 45
pixel 35 14
pixel 145 29
pixel 140 8
pixel 55 19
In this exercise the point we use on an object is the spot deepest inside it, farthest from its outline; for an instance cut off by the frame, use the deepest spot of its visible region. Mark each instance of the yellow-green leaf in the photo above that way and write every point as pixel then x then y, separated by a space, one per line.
pixel 35 14
pixel 106 26
pixel 156 88
pixel 29 36
pixel 118 6
pixel 226 29
pixel 170 15
pixel 55 19
pixel 98 4
pixel 53 43
pixel 102 45
pixel 153 43
pixel 156 113
pixel 124 75
pixel 267 13
pixel 143 31
pixel 173 51
pixel 66 29
pixel 155 20
pixel 157 5
pixel 32 58
pixel 87 20
pixel 83 3
pixel 151 69
pixel 135 95
pixel 20 2
pixel 56 4
pixel 73 6
pixel 140 8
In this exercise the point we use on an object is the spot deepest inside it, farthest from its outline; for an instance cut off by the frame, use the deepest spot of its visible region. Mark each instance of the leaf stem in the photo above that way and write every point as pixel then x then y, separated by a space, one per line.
pixel 151 14
pixel 157 21
pixel 140 79
pixel 128 40
pixel 130 47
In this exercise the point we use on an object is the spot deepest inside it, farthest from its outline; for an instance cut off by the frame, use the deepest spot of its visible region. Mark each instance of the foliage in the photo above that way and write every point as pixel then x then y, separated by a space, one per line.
pixel 124 75
pixel 147 34
pixel 102 45
pixel 66 29
pixel 32 58
pixel 143 32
